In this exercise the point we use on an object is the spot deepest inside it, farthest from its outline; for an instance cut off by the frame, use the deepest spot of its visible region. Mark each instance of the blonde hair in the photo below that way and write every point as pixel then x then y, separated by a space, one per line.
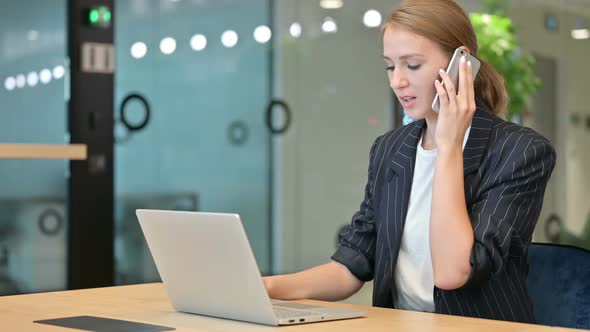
pixel 447 24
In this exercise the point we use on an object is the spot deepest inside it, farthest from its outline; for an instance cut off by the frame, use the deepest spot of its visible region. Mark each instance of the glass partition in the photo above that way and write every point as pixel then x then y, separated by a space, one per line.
pixel 33 214
pixel 201 67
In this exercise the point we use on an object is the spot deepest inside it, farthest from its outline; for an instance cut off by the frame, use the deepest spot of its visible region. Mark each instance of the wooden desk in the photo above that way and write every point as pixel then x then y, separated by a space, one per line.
pixel 148 303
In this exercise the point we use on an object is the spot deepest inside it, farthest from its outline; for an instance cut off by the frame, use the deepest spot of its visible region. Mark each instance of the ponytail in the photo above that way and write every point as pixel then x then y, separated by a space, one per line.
pixel 489 85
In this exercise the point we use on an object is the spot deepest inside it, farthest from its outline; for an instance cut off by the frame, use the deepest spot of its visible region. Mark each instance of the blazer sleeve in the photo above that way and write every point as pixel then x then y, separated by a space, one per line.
pixel 357 240
pixel 509 203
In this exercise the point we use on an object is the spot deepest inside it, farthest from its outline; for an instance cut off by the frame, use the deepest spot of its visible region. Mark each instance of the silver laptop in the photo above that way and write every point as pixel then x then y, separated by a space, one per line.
pixel 208 268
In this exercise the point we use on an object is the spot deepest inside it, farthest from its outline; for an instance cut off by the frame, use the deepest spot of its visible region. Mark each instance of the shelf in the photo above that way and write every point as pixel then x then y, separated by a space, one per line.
pixel 43 151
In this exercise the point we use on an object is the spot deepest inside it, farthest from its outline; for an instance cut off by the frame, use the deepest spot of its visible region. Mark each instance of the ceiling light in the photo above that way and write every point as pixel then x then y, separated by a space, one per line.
pixel 580 33
pixel 20 81
pixel 198 42
pixel 262 34
pixel 58 72
pixel 295 30
pixel 168 45
pixel 329 25
pixel 10 83
pixel 331 4
pixel 45 76
pixel 229 38
pixel 32 79
pixel 138 50
pixel 372 18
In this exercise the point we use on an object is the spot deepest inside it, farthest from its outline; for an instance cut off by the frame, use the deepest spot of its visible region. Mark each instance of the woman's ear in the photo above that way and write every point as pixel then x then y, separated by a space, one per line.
pixel 465 48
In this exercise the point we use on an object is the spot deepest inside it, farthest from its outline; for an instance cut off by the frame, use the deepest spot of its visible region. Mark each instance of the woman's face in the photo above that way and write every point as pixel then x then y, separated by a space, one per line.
pixel 413 63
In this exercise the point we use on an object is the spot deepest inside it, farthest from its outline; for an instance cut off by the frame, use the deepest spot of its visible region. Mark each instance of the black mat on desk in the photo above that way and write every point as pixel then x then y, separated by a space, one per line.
pixel 100 324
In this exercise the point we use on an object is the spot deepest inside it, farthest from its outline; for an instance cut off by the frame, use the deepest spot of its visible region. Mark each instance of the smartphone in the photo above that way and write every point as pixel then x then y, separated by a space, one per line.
pixel 453 71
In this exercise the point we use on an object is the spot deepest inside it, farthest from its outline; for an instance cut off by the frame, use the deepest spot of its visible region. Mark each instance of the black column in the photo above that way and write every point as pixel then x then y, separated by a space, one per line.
pixel 90 122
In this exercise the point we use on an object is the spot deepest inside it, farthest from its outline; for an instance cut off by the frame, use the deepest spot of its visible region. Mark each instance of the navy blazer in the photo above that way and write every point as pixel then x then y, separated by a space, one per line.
pixel 506 169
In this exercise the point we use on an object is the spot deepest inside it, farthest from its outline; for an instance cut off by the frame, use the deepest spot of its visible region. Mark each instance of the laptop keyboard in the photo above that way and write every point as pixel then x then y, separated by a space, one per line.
pixel 282 312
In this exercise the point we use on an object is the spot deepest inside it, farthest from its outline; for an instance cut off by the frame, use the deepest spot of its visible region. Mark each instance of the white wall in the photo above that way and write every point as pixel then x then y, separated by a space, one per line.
pixel 569 187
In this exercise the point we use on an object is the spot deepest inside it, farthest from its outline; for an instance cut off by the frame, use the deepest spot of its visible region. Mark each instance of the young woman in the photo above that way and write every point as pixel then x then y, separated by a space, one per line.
pixel 451 199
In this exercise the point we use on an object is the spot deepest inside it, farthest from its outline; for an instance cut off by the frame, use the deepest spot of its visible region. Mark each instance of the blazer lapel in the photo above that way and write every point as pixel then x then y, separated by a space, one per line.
pixel 402 165
pixel 400 173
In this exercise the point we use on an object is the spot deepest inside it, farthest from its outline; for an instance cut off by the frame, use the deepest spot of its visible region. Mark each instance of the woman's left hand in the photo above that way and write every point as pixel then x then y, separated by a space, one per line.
pixel 456 109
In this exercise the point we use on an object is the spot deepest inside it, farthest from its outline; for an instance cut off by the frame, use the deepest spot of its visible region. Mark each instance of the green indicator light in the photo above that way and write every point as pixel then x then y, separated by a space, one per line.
pixel 94 16
pixel 100 17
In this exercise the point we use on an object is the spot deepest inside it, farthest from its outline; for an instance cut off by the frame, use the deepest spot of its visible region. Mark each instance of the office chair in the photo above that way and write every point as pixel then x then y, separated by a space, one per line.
pixel 559 285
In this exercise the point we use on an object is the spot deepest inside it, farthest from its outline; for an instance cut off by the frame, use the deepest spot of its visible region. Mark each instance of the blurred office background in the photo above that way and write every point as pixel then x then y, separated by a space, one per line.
pixel 210 71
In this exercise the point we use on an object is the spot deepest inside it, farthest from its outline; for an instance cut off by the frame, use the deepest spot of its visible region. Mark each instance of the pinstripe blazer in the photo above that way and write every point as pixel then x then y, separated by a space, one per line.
pixel 506 169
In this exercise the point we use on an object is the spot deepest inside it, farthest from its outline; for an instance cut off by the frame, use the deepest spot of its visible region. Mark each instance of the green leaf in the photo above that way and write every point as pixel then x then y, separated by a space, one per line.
pixel 498 46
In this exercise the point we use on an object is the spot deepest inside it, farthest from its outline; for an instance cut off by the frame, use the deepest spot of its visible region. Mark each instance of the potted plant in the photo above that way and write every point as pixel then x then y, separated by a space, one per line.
pixel 499 47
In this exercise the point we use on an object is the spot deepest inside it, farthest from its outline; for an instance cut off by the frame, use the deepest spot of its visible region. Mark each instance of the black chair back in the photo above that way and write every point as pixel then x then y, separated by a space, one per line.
pixel 559 285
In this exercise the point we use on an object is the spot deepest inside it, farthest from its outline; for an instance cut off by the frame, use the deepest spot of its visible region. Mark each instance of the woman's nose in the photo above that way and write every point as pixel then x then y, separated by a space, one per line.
pixel 397 80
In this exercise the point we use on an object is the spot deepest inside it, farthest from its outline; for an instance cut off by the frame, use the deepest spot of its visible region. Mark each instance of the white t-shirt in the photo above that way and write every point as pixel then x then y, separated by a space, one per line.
pixel 413 274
